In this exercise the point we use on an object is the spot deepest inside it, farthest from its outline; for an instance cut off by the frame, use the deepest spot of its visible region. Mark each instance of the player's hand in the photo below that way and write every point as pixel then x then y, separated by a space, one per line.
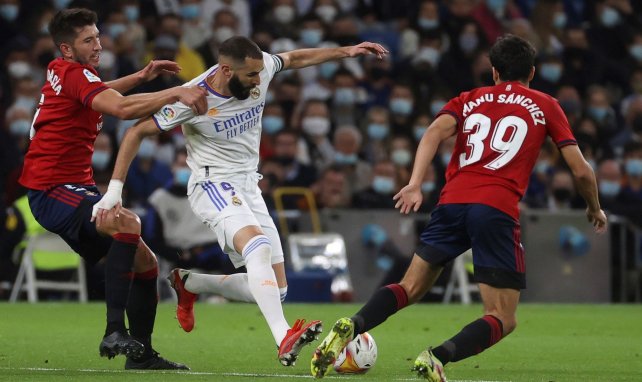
pixel 409 198
pixel 598 219
pixel 366 48
pixel 156 67
pixel 111 199
pixel 194 97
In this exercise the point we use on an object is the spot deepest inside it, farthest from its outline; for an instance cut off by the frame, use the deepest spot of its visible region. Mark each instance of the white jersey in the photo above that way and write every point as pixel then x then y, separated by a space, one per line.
pixel 225 140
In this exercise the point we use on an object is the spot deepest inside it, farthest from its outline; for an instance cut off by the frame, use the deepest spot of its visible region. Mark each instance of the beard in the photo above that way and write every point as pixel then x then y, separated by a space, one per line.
pixel 239 91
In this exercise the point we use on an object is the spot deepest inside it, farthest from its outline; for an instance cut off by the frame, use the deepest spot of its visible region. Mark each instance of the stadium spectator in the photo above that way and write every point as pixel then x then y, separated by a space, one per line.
pixel 479 201
pixel 146 174
pixel 377 130
pixel 57 171
pixel 224 24
pixel 240 8
pixel 562 195
pixel 286 148
pixel 315 126
pixel 382 187
pixel 331 190
pixel 196 30
pixel 401 149
pixel 346 143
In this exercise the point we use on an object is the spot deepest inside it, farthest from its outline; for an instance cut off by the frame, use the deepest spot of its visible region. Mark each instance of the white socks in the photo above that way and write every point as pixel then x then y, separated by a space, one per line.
pixel 263 286
pixel 233 287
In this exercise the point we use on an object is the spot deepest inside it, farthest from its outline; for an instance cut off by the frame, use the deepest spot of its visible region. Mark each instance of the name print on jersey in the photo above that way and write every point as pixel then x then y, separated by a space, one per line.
pixel 516 99
pixel 240 122
pixel 54 81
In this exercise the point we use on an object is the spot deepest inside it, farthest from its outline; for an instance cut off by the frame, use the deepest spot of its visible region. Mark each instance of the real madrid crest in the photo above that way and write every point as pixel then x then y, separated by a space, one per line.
pixel 255 93
pixel 236 201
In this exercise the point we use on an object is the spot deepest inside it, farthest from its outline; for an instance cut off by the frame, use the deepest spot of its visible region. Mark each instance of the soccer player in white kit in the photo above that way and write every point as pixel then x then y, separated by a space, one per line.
pixel 223 155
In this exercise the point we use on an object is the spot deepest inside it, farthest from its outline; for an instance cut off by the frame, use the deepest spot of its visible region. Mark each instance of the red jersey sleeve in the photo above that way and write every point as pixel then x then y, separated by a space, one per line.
pixel 557 125
pixel 83 84
pixel 455 108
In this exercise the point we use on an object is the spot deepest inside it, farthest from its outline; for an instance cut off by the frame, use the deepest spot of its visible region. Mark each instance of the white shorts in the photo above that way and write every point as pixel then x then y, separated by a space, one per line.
pixel 228 204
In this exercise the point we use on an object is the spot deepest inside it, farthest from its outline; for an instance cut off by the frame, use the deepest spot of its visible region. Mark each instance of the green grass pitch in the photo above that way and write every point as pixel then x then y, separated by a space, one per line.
pixel 231 342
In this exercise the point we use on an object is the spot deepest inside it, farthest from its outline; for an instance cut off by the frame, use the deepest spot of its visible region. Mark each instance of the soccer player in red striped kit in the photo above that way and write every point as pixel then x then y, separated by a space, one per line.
pixel 61 190
pixel 499 131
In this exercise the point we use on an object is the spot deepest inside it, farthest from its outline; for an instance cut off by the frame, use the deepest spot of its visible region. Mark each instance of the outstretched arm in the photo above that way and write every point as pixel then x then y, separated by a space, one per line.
pixel 148 73
pixel 128 149
pixel 302 58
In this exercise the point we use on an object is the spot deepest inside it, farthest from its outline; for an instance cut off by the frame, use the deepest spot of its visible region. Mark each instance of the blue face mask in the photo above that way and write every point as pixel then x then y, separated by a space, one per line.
pixel 100 159
pixel 190 11
pixel 419 132
pixel 25 103
pixel 428 23
pixel 468 42
pixel 116 29
pixel 610 17
pixel 550 72
pixel 181 176
pixel 383 184
pixel 436 106
pixel 377 131
pixel 495 5
pixel 272 124
pixel 345 159
pixel 61 4
pixel 401 157
pixel 559 20
pixel 445 158
pixel 609 189
pixel 427 187
pixel 311 37
pixel 401 106
pixel 327 69
pixel 542 167
pixel 636 51
pixel 132 13
pixel 147 149
pixel 9 12
pixel 633 167
pixel 345 96
pixel 598 112
pixel 20 127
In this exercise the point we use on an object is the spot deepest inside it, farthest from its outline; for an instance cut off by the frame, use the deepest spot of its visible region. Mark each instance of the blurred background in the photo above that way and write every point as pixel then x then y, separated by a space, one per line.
pixel 339 138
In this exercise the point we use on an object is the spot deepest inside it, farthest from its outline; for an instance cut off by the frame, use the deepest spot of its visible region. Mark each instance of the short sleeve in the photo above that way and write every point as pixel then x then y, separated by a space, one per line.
pixel 273 63
pixel 170 116
pixel 454 107
pixel 82 84
pixel 558 127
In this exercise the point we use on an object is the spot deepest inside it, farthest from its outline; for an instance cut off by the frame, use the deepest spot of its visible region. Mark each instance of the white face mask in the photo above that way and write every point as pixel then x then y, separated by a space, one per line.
pixel 284 14
pixel 327 13
pixel 315 126
pixel 19 69
pixel 107 60
pixel 223 33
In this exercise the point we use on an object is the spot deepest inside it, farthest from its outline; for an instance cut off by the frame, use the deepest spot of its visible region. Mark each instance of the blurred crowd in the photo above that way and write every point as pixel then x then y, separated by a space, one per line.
pixel 348 130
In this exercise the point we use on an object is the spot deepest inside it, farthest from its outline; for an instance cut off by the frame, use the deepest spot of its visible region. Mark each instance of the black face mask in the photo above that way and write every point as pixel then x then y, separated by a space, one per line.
pixel 239 91
pixel 284 160
pixel 45 58
pixel 562 194
pixel 636 124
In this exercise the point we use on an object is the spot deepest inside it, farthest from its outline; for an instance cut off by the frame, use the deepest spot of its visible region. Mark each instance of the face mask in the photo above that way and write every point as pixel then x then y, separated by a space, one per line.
pixel 147 149
pixel 598 112
pixel 181 176
pixel 550 72
pixel 383 184
pixel 19 69
pixel 20 127
pixel 542 167
pixel 496 6
pixel 223 33
pixel 445 158
pixel 559 20
pixel 468 42
pixel 100 159
pixel 345 159
pixel 131 12
pixel 327 69
pixel 633 167
pixel 401 106
pixel 436 106
pixel 345 96
pixel 311 37
pixel 570 106
pixel 9 12
pixel 272 124
pixel 190 11
pixel 107 60
pixel 562 194
pixel 61 4
pixel 609 17
pixel 25 103
pixel 377 131
pixel 116 29
pixel 315 126
pixel 636 51
pixel 428 23
pixel 427 187
pixel 401 157
pixel 609 188
pixel 284 14
pixel 285 160
pixel 419 132
pixel 326 13
pixel 427 54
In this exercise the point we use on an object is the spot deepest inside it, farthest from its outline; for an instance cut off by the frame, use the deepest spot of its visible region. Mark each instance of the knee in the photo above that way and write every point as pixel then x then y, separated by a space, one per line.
pixel 128 222
pixel 258 251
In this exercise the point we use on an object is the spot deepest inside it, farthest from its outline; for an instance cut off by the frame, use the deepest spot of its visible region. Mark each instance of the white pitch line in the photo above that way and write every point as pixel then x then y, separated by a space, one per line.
pixel 222 374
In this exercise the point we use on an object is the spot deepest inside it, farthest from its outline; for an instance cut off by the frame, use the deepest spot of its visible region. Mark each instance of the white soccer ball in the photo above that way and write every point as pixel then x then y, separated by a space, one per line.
pixel 358 356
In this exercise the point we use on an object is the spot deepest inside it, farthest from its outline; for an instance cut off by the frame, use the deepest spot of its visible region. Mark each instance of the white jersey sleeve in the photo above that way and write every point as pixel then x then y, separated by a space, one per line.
pixel 170 116
pixel 273 64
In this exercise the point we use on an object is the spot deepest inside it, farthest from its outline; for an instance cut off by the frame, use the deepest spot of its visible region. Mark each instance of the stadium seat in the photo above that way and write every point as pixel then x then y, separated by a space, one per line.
pixel 44 252
pixel 458 283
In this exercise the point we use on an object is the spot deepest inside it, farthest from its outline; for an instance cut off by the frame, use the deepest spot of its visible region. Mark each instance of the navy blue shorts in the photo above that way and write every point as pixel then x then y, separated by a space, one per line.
pixel 66 211
pixel 498 254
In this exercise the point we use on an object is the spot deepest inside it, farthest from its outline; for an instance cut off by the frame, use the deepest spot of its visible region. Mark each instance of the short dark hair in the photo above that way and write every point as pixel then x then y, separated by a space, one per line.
pixel 512 57
pixel 64 24
pixel 238 48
